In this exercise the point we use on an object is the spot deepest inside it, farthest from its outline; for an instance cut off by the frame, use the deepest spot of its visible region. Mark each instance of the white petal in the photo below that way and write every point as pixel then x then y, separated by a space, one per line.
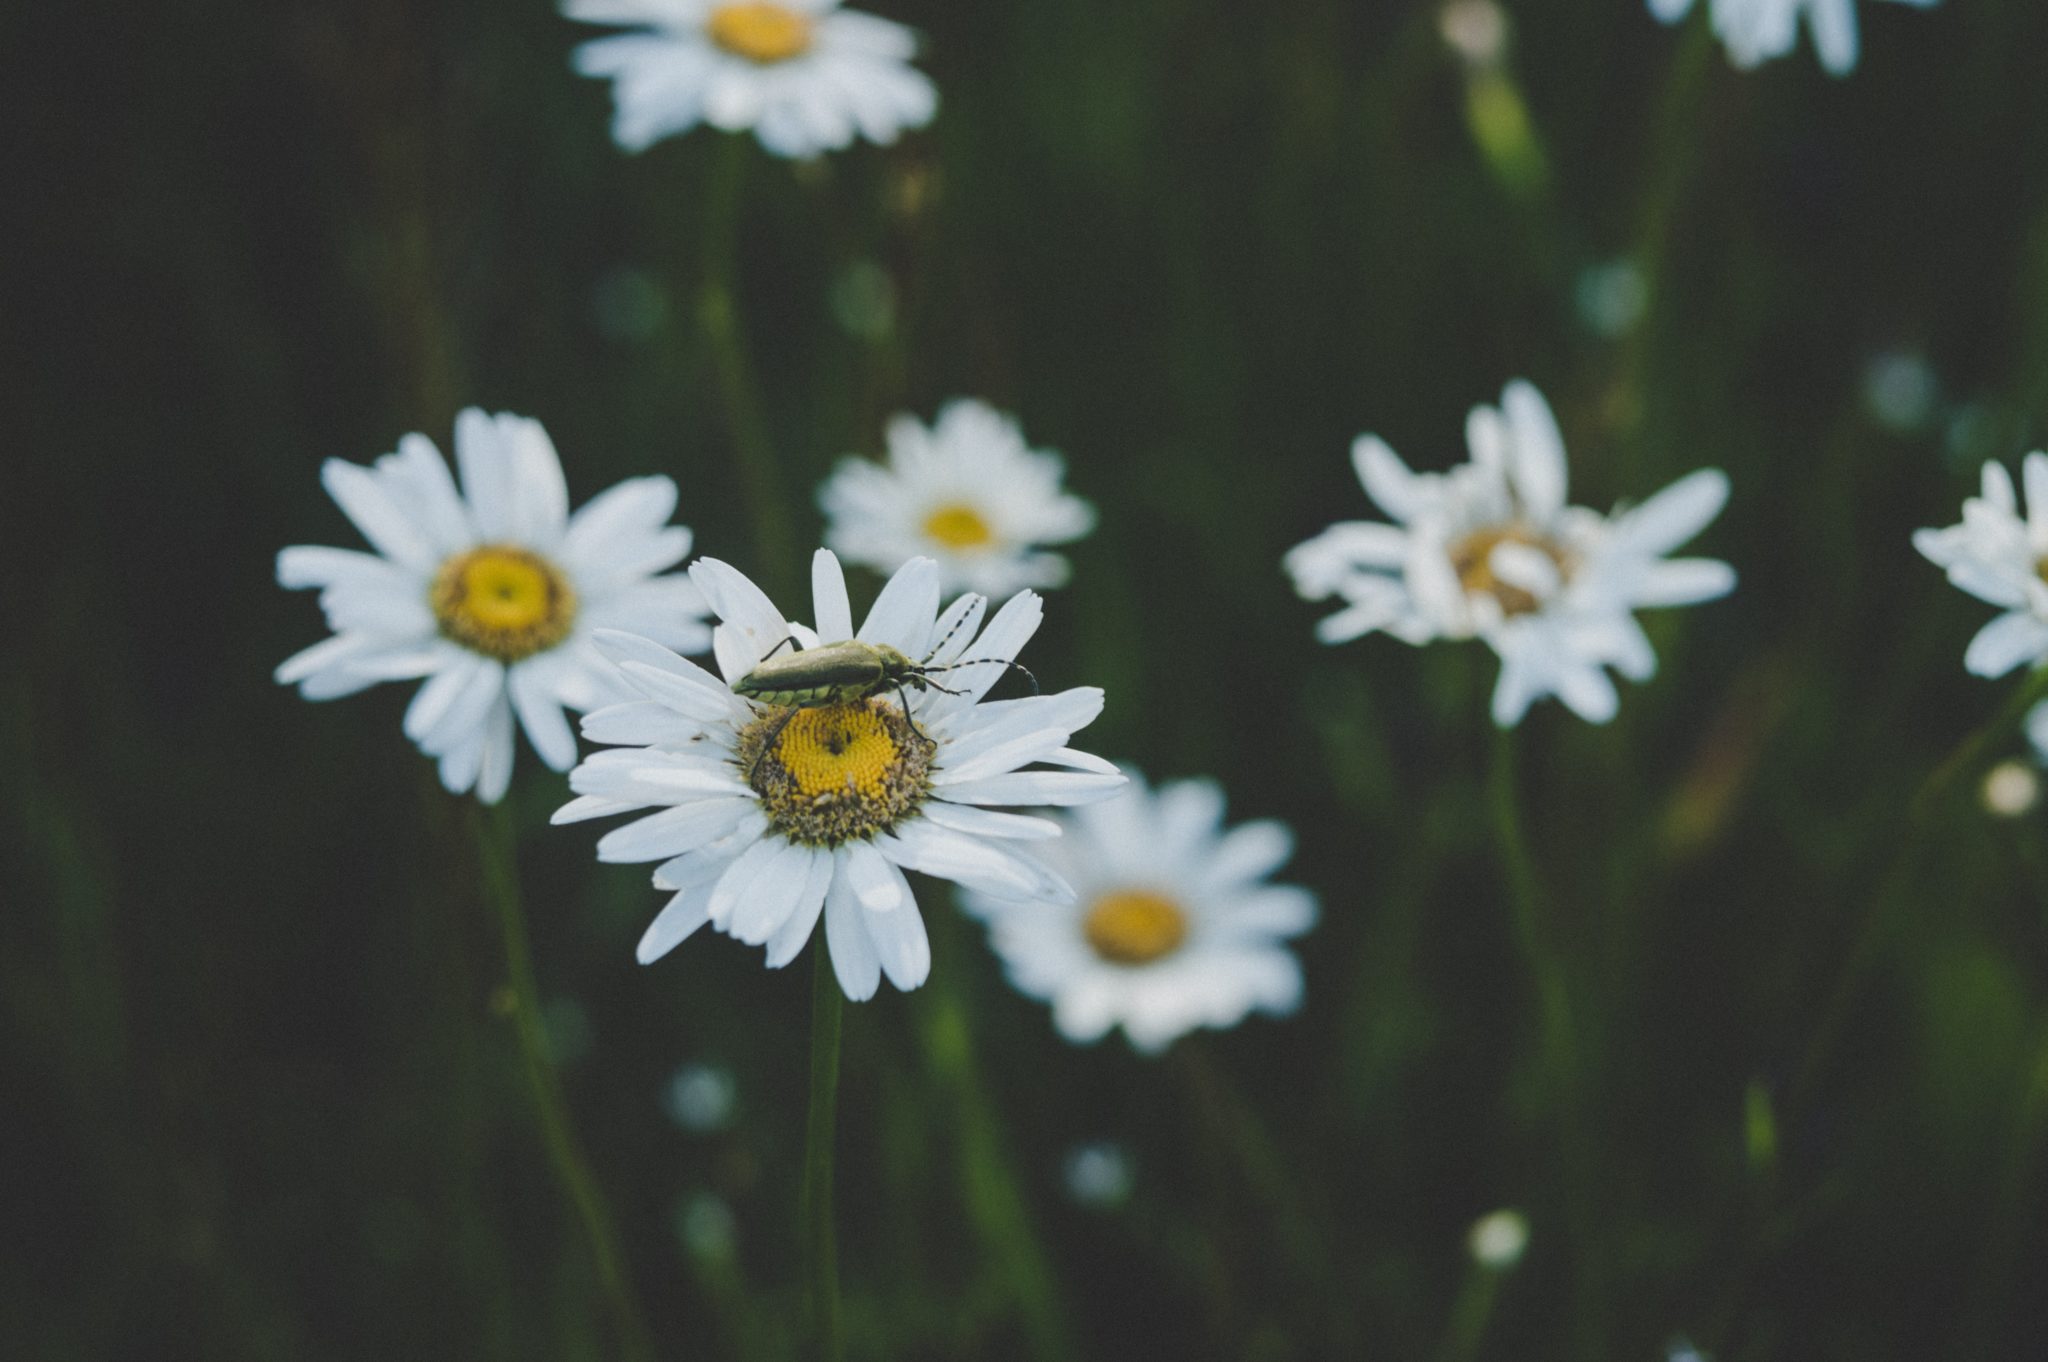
pixel 979 822
pixel 1538 452
pixel 365 500
pixel 541 716
pixel 494 776
pixel 873 880
pixel 1674 515
pixel 930 849
pixel 833 613
pixel 1037 787
pixel 1682 581
pixel 900 943
pixel 633 508
pixel 1385 478
pixel 796 929
pixel 764 880
pixel 673 925
pixel 2005 643
pixel 743 607
pixel 902 615
pixel 1250 851
pixel 846 935
pixel 674 831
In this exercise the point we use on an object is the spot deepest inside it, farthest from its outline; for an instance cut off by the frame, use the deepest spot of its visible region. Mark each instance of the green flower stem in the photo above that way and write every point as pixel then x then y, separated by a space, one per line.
pixel 994 1201
pixel 821 1248
pixel 520 1000
pixel 1934 797
pixel 718 314
pixel 1559 1058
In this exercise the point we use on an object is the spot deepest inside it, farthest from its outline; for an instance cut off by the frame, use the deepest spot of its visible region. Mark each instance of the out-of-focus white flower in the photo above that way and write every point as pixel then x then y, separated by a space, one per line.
pixel 1098 1174
pixel 1998 555
pixel 1497 1241
pixel 1172 925
pixel 1900 390
pixel 491 593
pixel 767 817
pixel 1757 31
pixel 805 75
pixel 700 1097
pixel 967 492
pixel 2013 788
pixel 1492 550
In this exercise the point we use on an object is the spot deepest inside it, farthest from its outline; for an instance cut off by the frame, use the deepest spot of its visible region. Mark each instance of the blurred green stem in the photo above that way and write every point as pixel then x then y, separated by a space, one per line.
pixel 520 1001
pixel 995 1202
pixel 821 1249
pixel 1933 798
pixel 1559 1061
pixel 718 314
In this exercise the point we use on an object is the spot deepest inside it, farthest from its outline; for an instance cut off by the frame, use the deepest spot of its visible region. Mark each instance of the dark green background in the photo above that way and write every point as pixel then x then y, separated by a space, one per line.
pixel 257 1102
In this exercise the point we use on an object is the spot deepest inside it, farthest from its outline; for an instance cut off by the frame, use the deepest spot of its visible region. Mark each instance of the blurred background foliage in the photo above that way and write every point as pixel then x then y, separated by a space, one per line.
pixel 260 1101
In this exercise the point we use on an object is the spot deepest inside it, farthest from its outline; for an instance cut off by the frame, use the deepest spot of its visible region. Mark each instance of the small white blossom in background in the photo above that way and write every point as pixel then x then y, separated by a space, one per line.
pixel 1497 1241
pixel 1681 1349
pixel 1900 390
pixel 1757 31
pixel 1098 1175
pixel 707 1227
pixel 1172 925
pixel 1612 297
pixel 490 593
pixel 1492 550
pixel 767 818
pixel 966 492
pixel 1997 554
pixel 804 75
pixel 1477 30
pixel 700 1098
pixel 2012 788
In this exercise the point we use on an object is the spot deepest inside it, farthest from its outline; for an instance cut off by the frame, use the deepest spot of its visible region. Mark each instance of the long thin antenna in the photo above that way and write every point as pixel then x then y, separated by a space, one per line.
pixel 992 662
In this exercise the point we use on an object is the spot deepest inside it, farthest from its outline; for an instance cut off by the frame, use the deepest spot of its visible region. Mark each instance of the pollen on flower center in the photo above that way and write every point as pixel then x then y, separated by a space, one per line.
pixel 1134 927
pixel 832 774
pixel 503 602
pixel 763 33
pixel 958 526
pixel 1472 560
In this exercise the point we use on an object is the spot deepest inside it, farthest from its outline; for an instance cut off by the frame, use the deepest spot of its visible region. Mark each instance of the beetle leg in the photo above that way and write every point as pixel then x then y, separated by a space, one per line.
pixel 904 700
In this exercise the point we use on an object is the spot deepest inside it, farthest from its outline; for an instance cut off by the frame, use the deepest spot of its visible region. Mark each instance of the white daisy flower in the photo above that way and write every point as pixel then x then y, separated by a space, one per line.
pixel 967 492
pixel 770 816
pixel 490 593
pixel 1173 925
pixel 1492 550
pixel 805 75
pixel 1999 555
pixel 1757 31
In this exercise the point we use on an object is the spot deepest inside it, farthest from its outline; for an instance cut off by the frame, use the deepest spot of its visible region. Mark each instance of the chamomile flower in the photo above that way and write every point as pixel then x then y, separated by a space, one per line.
pixel 490 593
pixel 1757 31
pixel 768 817
pixel 1492 550
pixel 1173 925
pixel 805 75
pixel 967 492
pixel 1999 554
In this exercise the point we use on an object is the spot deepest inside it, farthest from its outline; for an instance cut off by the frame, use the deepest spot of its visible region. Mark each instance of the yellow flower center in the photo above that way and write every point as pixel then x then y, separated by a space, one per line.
pixel 1134 927
pixel 503 602
pixel 762 33
pixel 836 773
pixel 958 526
pixel 1472 560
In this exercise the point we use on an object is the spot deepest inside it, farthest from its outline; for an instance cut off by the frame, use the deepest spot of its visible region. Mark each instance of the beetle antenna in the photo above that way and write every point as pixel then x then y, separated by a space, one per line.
pixel 788 640
pixel 940 645
pixel 988 662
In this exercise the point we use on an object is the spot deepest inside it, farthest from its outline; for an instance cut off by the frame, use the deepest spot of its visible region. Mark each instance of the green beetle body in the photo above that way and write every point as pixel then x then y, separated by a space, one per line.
pixel 829 674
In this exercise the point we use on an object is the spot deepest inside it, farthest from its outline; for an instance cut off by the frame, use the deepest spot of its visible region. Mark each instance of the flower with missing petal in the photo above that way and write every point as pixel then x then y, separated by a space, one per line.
pixel 805 75
pixel 2000 555
pixel 1492 550
pixel 490 593
pixel 1173 925
pixel 967 492
pixel 768 817
pixel 1757 31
